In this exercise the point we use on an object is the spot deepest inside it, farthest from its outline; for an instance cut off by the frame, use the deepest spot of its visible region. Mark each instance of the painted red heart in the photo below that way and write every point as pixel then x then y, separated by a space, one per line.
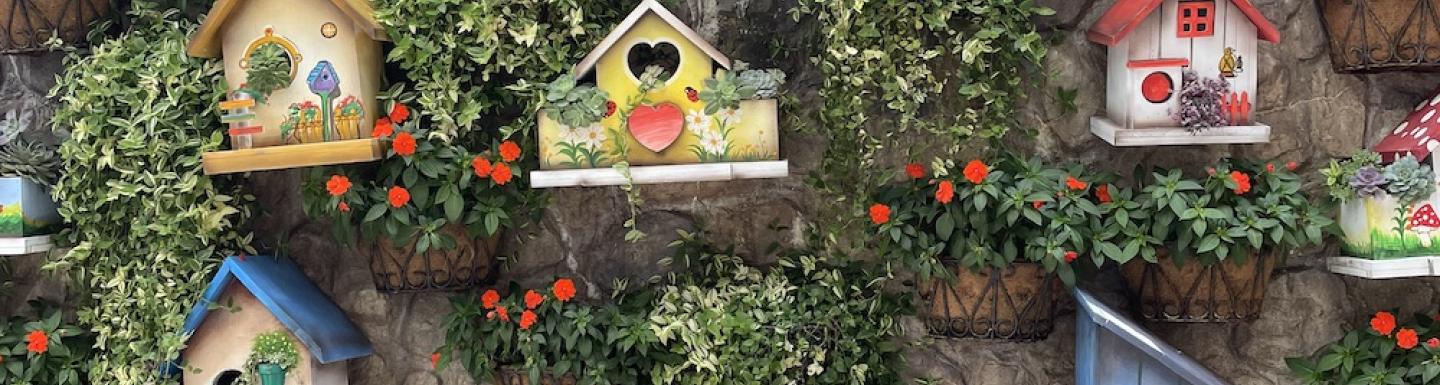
pixel 657 127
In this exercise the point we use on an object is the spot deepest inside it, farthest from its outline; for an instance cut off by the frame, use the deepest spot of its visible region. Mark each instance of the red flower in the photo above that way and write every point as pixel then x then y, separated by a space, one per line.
pixel 879 213
pixel 1433 343
pixel 1075 184
pixel 1070 256
pixel 1269 167
pixel 1292 166
pixel 1103 192
pixel 398 113
pixel 490 298
pixel 976 171
pixel 501 174
pixel 382 128
pixel 337 185
pixel 38 342
pixel 434 360
pixel 533 299
pixel 945 192
pixel 509 151
pixel 1383 323
pixel 1037 204
pixel 564 289
pixel 399 196
pixel 344 207
pixel 1242 182
pixel 609 108
pixel 404 144
pixel 504 315
pixel 527 319
pixel 915 170
pixel 1407 339
pixel 482 166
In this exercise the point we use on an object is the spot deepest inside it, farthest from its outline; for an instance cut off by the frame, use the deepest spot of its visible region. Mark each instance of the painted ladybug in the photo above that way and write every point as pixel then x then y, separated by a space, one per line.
pixel 609 108
pixel 691 94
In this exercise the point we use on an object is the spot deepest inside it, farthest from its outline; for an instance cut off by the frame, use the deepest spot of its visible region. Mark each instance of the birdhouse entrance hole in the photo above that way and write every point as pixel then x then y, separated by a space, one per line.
pixel 227 377
pixel 643 55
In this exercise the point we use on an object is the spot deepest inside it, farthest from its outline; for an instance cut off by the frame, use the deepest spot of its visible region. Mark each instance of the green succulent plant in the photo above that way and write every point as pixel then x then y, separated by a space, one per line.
pixel 31 160
pixel 765 82
pixel 574 105
pixel 1410 181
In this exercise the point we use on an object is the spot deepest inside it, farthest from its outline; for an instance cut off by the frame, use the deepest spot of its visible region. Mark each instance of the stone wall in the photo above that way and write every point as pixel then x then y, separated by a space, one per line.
pixel 1316 114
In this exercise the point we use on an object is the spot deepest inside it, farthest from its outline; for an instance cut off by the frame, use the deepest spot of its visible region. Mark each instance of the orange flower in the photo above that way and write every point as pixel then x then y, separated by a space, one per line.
pixel 533 299
pixel 976 171
pixel 38 343
pixel 1407 339
pixel 1242 182
pixel 482 166
pixel 1037 204
pixel 382 129
pixel 564 289
pixel 527 319
pixel 344 207
pixel 490 298
pixel 879 213
pixel 1383 323
pixel 1103 192
pixel 1075 184
pixel 399 113
pixel 1070 256
pixel 404 144
pixel 501 174
pixel 399 196
pixel 509 151
pixel 945 192
pixel 915 170
pixel 504 315
pixel 337 185
pixel 1292 165
pixel 434 360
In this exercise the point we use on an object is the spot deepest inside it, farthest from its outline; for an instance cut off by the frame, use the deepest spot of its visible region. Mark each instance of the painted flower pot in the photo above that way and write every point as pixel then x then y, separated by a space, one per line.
pixel 29 23
pixel 515 375
pixel 26 208
pixel 399 268
pixel 1375 228
pixel 271 374
pixel 1194 292
pixel 1368 36
pixel 1018 302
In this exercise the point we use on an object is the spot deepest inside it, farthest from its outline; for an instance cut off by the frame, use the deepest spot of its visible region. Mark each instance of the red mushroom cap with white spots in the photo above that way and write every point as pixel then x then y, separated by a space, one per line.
pixel 1418 135
pixel 1425 218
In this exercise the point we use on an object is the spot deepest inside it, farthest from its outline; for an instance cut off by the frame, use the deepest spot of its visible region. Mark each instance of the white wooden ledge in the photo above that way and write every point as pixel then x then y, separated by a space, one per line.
pixel 1385 268
pixel 25 245
pixel 704 172
pixel 1119 136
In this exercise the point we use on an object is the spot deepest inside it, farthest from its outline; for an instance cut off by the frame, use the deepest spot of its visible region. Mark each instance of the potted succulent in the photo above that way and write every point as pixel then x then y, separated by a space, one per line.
pixel 27 170
pixel 1386 209
pixel 1386 352
pixel 988 240
pixel 272 355
pixel 435 211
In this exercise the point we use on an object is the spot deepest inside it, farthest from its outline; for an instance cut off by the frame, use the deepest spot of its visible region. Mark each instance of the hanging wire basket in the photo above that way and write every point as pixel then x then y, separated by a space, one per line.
pixel 1019 303
pixel 1193 292
pixel 1368 36
pixel 470 263
pixel 28 24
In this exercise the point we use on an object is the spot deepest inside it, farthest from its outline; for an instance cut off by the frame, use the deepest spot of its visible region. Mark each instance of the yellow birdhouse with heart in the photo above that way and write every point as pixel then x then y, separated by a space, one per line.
pixel 665 102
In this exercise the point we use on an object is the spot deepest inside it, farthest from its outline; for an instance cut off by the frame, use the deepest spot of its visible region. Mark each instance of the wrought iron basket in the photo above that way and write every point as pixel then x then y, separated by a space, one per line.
pixel 470 263
pixel 1368 36
pixel 28 24
pixel 1018 303
pixel 1193 292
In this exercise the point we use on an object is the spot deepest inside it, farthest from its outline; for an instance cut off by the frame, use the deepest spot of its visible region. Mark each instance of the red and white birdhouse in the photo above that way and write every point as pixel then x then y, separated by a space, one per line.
pixel 1152 43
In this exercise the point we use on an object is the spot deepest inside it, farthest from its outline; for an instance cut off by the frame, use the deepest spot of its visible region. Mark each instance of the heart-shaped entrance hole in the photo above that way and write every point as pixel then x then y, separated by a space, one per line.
pixel 662 54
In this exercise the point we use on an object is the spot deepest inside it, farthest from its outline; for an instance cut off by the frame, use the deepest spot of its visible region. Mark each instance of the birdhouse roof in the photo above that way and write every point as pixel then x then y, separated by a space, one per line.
pixel 1125 15
pixel 647 6
pixel 1415 135
pixel 206 42
pixel 294 300
pixel 1092 311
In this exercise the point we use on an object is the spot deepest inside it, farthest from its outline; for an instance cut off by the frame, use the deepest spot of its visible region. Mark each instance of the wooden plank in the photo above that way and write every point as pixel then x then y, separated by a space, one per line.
pixel 706 172
pixel 237 103
pixel 292 156
pixel 234 118
pixel 25 245
pixel 1384 269
pixel 1122 137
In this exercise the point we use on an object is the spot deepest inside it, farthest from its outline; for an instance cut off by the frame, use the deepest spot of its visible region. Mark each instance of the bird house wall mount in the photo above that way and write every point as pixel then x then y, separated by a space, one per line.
pixel 1153 45
pixel 315 115
pixel 666 134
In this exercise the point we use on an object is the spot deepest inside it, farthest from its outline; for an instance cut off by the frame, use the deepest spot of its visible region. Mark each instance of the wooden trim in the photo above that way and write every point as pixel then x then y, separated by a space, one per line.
pixel 1385 268
pixel 1118 136
pixel 588 63
pixel 292 156
pixel 206 42
pixel 703 172
pixel 1158 63
pixel 25 245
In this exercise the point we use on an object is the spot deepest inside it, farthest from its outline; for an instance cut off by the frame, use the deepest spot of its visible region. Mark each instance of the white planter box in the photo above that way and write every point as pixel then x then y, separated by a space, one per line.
pixel 1385 268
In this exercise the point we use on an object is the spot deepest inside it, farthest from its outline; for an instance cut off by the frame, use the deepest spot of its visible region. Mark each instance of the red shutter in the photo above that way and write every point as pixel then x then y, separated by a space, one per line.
pixel 1196 19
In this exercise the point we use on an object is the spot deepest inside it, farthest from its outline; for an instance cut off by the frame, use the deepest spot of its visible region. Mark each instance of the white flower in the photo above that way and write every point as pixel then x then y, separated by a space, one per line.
pixel 592 136
pixel 815 369
pixel 697 122
pixel 713 142
pixel 729 116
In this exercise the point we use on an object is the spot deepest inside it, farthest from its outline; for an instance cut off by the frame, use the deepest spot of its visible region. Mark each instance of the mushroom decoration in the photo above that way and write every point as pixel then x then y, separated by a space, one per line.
pixel 1423 222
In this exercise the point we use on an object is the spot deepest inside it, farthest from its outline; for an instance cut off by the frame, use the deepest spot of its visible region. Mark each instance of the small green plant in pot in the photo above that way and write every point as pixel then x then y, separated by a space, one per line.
pixel 27 170
pixel 273 355
pixel 1386 205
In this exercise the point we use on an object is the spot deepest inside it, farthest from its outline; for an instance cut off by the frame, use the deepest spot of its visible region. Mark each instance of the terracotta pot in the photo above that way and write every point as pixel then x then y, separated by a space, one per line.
pixel 1193 292
pixel 513 375
pixel 1369 36
pixel 1017 303
pixel 400 269
pixel 27 24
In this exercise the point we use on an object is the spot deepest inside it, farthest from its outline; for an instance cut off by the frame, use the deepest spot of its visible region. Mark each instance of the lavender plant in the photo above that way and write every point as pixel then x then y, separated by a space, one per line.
pixel 1200 102
pixel 1367 182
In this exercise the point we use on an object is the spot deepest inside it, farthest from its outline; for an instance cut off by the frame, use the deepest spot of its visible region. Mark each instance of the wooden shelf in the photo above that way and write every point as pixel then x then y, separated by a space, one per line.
pixel 1385 268
pixel 292 156
pixel 1119 136
pixel 705 172
pixel 25 245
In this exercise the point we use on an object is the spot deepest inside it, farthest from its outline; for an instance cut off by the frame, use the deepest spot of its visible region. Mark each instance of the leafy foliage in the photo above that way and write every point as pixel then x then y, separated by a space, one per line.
pixel 274 348
pixel 1339 175
pixel 269 70
pixel 1370 357
pixel 574 105
pixel 148 224
pixel 765 82
pixel 63 361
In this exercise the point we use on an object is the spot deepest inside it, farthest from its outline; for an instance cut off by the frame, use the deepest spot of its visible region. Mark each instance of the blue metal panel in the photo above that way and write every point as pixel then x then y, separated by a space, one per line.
pixel 294 300
pixel 1113 350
